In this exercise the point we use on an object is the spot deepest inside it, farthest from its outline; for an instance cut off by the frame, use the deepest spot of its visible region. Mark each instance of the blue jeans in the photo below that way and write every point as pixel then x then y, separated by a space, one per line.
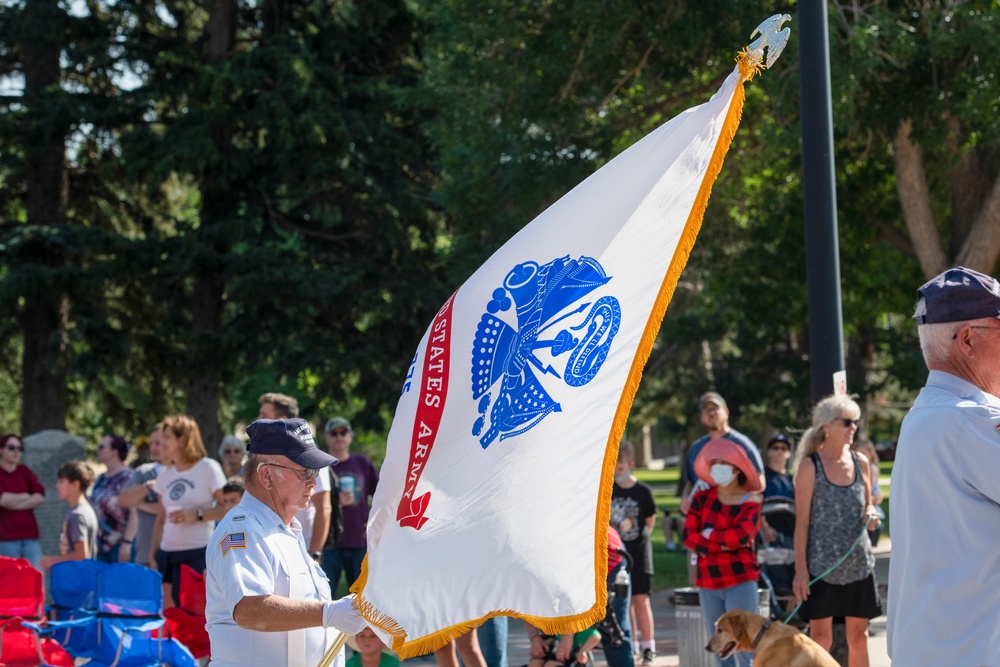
pixel 621 656
pixel 714 603
pixel 493 641
pixel 30 549
pixel 346 560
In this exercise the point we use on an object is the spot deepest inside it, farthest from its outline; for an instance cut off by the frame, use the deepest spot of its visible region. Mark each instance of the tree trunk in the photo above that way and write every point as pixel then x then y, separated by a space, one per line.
pixel 43 318
pixel 975 219
pixel 202 401
pixel 914 197
pixel 208 298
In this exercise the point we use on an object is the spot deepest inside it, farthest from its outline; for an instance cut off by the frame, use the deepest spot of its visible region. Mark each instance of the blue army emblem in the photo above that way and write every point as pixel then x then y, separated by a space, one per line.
pixel 504 355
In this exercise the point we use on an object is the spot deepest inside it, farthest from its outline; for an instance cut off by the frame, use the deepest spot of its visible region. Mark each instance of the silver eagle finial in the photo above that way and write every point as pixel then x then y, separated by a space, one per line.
pixel 771 36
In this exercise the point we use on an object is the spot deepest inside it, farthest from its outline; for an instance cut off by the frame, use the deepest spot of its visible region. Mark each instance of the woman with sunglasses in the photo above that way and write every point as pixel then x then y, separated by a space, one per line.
pixel 832 509
pixel 190 491
pixel 778 483
pixel 20 494
pixel 232 453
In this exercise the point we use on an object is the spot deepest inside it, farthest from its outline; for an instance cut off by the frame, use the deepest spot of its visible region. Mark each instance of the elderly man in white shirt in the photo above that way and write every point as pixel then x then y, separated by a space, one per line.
pixel 268 602
pixel 944 574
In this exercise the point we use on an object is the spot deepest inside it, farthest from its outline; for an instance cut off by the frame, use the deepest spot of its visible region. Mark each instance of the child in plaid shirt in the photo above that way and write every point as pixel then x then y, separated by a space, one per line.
pixel 721 526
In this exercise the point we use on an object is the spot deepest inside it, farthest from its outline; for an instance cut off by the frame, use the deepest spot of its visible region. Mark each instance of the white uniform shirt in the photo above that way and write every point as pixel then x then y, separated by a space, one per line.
pixel 253 553
pixel 308 516
pixel 944 501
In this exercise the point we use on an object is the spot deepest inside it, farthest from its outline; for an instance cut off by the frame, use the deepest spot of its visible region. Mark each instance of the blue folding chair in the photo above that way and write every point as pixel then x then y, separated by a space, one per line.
pixel 73 587
pixel 129 610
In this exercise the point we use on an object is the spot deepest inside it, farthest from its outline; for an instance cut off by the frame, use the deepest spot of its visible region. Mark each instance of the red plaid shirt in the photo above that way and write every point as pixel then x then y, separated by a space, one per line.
pixel 726 557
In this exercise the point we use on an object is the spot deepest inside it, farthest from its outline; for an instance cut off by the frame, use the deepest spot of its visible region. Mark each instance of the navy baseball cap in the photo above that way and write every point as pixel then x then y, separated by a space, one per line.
pixel 291 438
pixel 958 295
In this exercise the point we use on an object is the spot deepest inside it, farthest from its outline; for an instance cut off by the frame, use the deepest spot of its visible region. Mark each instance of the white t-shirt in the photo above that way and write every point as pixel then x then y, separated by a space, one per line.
pixel 191 489
pixel 307 516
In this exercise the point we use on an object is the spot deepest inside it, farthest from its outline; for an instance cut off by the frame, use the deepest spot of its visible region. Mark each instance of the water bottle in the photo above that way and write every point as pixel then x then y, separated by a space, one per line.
pixel 622 582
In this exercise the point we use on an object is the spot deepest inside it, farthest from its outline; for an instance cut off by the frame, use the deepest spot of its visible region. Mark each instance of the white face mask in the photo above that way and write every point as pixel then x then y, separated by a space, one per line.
pixel 622 480
pixel 722 473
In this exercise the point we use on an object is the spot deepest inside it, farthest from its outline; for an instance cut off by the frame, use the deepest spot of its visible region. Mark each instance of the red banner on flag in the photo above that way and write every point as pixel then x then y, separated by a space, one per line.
pixel 433 393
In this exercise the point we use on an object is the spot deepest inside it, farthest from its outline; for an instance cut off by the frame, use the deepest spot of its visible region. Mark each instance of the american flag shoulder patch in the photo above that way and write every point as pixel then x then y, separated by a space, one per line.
pixel 233 541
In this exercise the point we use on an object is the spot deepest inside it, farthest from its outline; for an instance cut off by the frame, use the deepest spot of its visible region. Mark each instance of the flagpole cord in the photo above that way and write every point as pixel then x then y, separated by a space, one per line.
pixel 331 654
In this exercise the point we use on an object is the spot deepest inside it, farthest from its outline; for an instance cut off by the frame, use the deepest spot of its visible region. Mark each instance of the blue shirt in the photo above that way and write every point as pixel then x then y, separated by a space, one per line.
pixel 778 484
pixel 944 573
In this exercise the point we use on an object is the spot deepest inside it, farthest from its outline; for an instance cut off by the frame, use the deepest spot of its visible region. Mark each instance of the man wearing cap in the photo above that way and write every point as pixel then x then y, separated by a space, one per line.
pixel 714 414
pixel 357 478
pixel 268 602
pixel 944 574
pixel 315 518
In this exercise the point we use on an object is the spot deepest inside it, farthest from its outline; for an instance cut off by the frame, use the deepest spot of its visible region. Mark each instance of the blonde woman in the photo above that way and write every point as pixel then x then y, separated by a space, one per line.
pixel 832 501
pixel 190 491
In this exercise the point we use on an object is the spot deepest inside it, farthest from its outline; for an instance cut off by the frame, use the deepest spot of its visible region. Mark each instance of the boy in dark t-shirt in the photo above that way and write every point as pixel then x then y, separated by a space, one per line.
pixel 633 514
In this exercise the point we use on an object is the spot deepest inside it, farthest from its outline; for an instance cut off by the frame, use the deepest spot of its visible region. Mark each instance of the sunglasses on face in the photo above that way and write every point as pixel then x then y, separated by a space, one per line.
pixel 339 433
pixel 781 448
pixel 232 451
pixel 304 474
pixel 13 448
pixel 848 423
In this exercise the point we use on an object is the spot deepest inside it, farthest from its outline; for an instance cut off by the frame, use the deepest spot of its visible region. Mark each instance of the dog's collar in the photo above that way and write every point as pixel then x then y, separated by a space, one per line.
pixel 760 635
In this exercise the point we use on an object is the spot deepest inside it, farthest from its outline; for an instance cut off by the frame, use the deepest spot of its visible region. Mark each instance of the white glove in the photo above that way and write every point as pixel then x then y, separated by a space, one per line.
pixel 341 614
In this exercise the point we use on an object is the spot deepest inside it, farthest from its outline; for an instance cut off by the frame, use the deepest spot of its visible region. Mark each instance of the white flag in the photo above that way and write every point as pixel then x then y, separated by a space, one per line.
pixel 494 497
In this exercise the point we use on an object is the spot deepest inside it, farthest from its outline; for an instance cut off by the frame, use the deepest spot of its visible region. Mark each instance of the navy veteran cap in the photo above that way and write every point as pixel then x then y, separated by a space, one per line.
pixel 958 295
pixel 288 437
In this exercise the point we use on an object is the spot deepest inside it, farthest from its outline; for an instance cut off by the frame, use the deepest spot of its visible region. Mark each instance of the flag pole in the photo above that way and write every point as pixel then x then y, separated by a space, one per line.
pixel 334 649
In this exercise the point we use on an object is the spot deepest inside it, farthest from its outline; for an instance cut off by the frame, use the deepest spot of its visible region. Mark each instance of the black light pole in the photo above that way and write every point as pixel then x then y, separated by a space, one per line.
pixel 826 324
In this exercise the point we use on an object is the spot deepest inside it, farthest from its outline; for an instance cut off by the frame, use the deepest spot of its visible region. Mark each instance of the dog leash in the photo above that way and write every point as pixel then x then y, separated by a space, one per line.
pixel 864 529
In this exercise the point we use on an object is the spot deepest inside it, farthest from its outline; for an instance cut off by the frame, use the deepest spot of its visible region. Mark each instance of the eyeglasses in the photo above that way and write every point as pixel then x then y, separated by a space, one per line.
pixel 304 474
pixel 232 451
pixel 339 433
pixel 973 326
pixel 848 423
pixel 13 448
pixel 102 447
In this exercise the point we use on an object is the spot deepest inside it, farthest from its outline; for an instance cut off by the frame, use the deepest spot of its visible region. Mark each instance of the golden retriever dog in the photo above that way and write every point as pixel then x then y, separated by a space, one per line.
pixel 772 644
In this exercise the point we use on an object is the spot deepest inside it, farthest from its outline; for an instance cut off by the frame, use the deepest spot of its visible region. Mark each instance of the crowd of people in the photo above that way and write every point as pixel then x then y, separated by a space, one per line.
pixel 161 514
pixel 161 510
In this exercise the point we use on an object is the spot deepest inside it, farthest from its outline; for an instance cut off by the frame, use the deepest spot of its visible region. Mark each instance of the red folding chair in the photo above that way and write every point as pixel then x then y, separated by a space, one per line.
pixel 7 561
pixel 186 623
pixel 21 592
pixel 22 598
pixel 20 647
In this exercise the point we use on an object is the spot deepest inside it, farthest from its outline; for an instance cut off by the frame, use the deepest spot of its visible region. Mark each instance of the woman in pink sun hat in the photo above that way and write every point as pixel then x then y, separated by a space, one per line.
pixel 721 527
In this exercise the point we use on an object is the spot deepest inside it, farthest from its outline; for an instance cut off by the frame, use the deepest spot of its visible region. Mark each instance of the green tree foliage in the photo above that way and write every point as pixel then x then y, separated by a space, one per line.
pixel 265 176
pixel 203 202
pixel 546 92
